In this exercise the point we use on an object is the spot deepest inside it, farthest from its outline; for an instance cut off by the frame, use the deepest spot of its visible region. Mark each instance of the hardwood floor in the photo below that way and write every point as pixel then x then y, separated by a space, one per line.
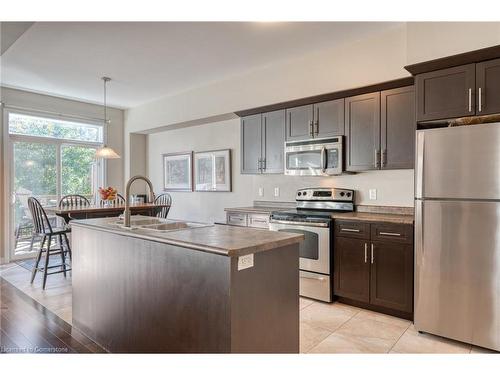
pixel 28 327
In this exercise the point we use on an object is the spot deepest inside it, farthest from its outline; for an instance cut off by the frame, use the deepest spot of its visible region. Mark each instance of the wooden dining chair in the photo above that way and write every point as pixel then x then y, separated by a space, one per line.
pixel 44 229
pixel 166 201
pixel 72 200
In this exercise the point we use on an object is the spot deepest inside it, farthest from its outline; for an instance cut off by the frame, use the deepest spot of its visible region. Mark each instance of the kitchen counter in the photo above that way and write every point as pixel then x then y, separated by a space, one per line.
pixel 202 289
pixel 374 217
pixel 257 209
pixel 219 239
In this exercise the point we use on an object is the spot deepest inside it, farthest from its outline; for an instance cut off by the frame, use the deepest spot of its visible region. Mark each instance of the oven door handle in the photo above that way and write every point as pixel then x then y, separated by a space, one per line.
pixel 300 223
pixel 323 159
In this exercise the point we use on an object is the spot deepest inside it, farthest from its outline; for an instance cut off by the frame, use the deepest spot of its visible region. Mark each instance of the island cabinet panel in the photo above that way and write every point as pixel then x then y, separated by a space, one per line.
pixel 375 272
pixel 273 281
pixel 251 144
pixel 299 123
pixel 398 126
pixel 135 295
pixel 362 128
pixel 446 93
pixel 351 269
pixel 391 277
pixel 488 87
pixel 273 141
pixel 329 118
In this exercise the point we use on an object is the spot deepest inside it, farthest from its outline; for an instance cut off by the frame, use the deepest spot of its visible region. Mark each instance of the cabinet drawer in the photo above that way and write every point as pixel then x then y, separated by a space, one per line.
pixel 237 218
pixel 353 229
pixel 258 221
pixel 402 233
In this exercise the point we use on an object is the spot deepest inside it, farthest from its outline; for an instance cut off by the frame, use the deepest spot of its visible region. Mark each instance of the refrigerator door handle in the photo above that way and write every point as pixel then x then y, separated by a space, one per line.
pixel 419 169
pixel 419 230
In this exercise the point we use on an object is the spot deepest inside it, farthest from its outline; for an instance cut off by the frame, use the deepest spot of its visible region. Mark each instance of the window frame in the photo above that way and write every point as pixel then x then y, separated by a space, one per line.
pixel 8 182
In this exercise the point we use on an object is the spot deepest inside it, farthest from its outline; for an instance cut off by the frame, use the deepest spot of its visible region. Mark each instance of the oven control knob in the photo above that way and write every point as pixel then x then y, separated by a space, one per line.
pixel 299 193
pixel 348 194
pixel 342 193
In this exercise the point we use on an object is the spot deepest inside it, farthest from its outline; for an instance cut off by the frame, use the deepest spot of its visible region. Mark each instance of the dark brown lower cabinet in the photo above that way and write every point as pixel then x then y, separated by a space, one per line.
pixel 391 276
pixel 375 272
pixel 351 269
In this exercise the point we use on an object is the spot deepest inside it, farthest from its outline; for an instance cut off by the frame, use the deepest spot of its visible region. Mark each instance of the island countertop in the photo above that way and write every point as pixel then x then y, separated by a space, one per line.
pixel 219 239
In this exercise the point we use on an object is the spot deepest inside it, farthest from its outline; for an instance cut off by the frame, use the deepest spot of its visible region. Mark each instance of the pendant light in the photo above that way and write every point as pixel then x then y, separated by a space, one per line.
pixel 106 152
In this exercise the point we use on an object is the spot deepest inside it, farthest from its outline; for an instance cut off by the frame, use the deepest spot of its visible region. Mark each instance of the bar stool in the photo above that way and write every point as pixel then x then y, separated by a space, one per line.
pixel 44 229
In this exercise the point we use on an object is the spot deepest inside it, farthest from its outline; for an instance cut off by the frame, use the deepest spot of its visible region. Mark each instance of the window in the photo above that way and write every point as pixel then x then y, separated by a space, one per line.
pixel 21 124
pixel 49 158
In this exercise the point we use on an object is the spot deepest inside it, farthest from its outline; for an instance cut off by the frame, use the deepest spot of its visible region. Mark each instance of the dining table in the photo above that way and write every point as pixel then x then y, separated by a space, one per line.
pixel 72 212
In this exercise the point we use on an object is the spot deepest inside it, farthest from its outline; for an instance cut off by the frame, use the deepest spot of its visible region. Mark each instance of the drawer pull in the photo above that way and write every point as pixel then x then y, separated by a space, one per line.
pixel 349 230
pixel 259 221
pixel 236 218
pixel 390 234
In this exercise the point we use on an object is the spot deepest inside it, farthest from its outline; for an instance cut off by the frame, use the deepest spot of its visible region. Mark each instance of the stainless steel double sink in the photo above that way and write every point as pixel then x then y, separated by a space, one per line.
pixel 159 225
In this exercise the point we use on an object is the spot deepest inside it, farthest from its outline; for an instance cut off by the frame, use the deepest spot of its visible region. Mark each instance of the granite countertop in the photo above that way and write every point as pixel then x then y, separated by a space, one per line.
pixel 374 217
pixel 218 239
pixel 256 209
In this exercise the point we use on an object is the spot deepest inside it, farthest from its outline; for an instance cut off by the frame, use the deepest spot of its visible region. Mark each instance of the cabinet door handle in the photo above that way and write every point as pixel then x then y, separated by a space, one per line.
pixel 366 252
pixel 480 99
pixel 470 100
pixel 311 129
pixel 390 234
pixel 316 124
pixel 264 164
pixel 384 157
pixel 317 120
pixel 372 255
pixel 349 230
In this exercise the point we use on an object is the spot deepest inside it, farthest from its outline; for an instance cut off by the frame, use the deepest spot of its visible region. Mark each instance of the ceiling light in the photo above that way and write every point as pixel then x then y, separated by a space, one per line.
pixel 106 152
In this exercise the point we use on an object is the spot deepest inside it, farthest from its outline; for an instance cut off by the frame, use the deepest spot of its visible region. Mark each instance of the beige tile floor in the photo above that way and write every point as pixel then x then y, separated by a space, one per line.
pixel 324 328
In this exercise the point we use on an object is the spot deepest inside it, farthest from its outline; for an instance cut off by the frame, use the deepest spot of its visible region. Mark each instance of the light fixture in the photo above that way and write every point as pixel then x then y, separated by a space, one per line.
pixel 106 152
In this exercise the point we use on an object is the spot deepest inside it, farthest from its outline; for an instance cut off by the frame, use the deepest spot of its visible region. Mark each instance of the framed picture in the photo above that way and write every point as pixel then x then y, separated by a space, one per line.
pixel 212 170
pixel 178 171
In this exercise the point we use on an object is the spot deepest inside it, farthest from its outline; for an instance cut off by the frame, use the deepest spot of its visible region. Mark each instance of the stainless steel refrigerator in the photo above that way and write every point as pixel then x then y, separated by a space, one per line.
pixel 457 233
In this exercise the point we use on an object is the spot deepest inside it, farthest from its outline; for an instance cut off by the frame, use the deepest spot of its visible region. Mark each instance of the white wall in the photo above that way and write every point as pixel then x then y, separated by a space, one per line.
pixel 375 59
pixel 115 133
pixel 201 206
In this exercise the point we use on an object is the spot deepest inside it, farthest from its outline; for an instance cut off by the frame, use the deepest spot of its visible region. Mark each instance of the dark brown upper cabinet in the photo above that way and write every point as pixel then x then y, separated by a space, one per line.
pixel 446 93
pixel 262 143
pixel 273 141
pixel 251 144
pixel 398 126
pixel 362 131
pixel 329 118
pixel 318 120
pixel 299 123
pixel 488 87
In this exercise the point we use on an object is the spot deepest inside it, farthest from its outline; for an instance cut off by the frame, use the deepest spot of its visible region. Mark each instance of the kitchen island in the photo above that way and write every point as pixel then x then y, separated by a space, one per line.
pixel 185 288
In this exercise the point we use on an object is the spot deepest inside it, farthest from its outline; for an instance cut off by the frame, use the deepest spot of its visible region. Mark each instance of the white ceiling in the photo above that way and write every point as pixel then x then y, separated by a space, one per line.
pixel 150 60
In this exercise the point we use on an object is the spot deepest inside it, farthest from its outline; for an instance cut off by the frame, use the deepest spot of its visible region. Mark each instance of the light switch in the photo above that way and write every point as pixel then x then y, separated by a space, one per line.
pixel 373 194
pixel 276 191
pixel 261 191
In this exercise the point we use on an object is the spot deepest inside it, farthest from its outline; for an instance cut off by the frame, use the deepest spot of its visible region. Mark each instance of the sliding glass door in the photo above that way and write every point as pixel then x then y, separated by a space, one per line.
pixel 48 159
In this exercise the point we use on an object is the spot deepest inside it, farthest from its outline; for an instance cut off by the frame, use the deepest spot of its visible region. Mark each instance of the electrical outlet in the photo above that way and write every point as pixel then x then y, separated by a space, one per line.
pixel 373 194
pixel 276 191
pixel 261 192
pixel 245 261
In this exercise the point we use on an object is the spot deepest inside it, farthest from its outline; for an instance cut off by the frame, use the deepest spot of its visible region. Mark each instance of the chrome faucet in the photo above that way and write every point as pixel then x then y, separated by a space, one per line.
pixel 126 213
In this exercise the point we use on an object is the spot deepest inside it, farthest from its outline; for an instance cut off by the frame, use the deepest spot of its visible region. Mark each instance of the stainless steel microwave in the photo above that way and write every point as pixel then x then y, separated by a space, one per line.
pixel 315 157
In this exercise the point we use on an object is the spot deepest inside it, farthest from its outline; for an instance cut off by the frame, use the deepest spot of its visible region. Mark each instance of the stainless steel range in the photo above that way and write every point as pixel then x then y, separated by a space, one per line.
pixel 313 219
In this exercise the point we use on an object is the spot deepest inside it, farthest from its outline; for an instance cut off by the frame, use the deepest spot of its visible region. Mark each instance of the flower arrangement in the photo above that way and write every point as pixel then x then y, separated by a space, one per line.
pixel 107 194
